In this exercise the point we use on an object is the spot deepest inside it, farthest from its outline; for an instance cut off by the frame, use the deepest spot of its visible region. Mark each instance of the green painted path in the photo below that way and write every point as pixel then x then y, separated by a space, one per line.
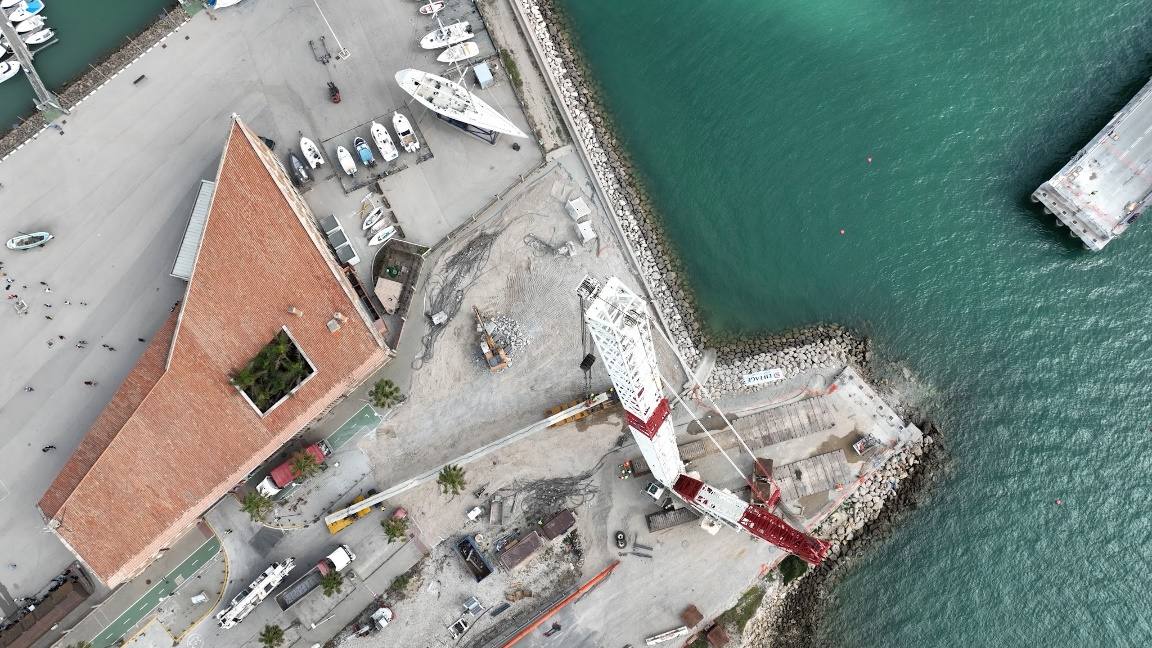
pixel 364 420
pixel 147 602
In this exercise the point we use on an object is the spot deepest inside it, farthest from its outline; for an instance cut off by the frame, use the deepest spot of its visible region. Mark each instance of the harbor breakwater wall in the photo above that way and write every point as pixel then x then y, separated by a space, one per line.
pixel 634 214
pixel 96 77
pixel 790 616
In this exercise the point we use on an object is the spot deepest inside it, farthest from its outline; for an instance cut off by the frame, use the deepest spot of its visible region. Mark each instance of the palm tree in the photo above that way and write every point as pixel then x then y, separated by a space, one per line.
pixel 244 378
pixel 395 528
pixel 257 506
pixel 304 465
pixel 331 582
pixel 451 479
pixel 272 636
pixel 385 394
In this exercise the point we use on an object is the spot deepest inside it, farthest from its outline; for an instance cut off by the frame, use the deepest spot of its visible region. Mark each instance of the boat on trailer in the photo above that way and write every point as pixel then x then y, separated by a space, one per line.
pixel 404 132
pixel 29 241
pixel 365 153
pixel 311 152
pixel 450 99
pixel 459 52
pixel 384 142
pixel 447 35
pixel 346 161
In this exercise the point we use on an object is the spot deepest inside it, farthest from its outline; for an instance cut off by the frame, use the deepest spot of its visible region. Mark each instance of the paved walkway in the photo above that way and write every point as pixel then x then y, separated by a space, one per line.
pixel 135 601
pixel 361 422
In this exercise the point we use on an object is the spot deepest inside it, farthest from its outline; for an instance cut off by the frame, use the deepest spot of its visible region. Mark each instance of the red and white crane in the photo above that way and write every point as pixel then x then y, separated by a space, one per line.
pixel 617 320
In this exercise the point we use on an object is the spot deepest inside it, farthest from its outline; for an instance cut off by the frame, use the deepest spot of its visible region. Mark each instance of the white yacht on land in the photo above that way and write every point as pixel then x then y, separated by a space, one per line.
pixel 459 52
pixel 311 152
pixel 451 100
pixel 384 142
pixel 449 35
pixel 404 132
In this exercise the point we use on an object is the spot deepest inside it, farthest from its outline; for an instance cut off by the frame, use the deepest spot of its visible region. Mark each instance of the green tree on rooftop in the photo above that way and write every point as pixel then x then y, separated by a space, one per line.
pixel 276 370
pixel 272 636
pixel 451 479
pixel 257 506
pixel 332 582
pixel 385 394
pixel 304 465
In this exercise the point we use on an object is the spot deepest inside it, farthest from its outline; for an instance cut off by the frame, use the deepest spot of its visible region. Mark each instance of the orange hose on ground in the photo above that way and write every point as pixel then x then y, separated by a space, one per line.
pixel 556 608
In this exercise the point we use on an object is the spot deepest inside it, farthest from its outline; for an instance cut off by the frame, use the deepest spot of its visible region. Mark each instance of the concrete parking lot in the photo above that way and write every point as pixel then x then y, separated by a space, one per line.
pixel 122 182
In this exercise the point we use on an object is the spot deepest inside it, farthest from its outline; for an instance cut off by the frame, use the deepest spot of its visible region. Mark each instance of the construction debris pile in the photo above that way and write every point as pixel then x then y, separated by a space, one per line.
pixel 446 289
pixel 507 333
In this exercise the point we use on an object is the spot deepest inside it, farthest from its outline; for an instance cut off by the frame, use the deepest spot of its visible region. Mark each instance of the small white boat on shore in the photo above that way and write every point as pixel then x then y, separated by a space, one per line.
pixel 40 37
pixel 35 23
pixel 8 69
pixel 220 4
pixel 448 35
pixel 383 236
pixel 384 142
pixel 404 132
pixel 380 224
pixel 459 52
pixel 346 161
pixel 373 217
pixel 311 152
pixel 431 9
pixel 29 241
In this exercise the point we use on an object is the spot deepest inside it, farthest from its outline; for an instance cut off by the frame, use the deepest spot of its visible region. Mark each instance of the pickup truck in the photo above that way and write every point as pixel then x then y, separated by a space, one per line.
pixel 284 475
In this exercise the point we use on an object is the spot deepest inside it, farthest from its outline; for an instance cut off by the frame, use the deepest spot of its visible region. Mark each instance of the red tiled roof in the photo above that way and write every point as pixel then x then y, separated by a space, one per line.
pixel 175 440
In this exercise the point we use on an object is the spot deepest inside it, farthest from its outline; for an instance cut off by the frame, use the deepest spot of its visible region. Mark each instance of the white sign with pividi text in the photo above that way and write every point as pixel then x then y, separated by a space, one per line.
pixel 761 377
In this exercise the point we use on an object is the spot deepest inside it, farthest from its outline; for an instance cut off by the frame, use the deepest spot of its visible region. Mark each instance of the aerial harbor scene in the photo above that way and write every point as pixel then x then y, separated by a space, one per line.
pixel 574 324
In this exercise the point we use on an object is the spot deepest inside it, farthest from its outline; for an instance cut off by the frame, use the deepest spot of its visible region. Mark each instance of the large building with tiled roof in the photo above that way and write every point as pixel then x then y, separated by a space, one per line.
pixel 178 435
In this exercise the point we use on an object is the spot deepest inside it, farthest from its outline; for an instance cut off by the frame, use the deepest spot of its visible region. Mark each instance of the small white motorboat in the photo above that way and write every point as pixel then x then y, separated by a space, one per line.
pixel 380 224
pixel 404 132
pixel 364 152
pixel 346 161
pixel 384 142
pixel 8 4
pixel 25 10
pixel 32 24
pixel 383 236
pixel 8 69
pixel 29 241
pixel 459 52
pixel 449 35
pixel 37 38
pixel 431 9
pixel 220 4
pixel 311 152
pixel 373 217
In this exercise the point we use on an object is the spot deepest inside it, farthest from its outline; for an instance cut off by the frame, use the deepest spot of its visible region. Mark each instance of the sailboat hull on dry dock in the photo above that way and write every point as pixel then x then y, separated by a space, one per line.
pixel 451 100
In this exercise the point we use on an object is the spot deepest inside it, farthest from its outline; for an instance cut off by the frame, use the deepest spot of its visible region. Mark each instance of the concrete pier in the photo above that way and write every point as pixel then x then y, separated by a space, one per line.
pixel 1108 184
pixel 45 98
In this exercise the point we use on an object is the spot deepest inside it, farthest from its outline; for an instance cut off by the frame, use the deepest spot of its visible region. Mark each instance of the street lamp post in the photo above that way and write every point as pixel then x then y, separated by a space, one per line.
pixel 343 53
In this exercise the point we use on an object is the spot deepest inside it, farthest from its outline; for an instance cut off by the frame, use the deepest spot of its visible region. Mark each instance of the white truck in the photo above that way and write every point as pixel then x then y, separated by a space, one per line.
pixel 336 561
pixel 253 595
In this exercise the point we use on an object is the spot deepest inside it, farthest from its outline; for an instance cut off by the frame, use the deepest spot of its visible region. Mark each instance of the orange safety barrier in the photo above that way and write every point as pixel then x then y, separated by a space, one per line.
pixel 556 608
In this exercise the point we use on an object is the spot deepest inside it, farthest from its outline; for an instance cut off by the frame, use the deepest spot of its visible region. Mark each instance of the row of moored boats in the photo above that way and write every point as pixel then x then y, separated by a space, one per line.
pixel 32 27
pixel 380 137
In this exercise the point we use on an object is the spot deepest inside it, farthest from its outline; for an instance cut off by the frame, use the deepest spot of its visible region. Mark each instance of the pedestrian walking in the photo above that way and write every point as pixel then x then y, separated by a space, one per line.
pixel 83 303
pixel 47 317
pixel 47 290
pixel 47 305
pixel 111 348
pixel 67 303
pixel 91 383
pixel 29 389
pixel 60 336
pixel 43 283
pixel 140 339
pixel 51 342
pixel 48 448
pixel 105 346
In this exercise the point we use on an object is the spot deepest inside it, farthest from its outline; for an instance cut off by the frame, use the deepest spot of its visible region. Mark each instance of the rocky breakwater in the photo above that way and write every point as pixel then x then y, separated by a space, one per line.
pixel 614 173
pixel 794 352
pixel 789 616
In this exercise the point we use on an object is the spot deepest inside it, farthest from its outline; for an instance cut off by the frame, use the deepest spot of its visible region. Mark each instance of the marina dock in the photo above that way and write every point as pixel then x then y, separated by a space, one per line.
pixel 45 98
pixel 1107 185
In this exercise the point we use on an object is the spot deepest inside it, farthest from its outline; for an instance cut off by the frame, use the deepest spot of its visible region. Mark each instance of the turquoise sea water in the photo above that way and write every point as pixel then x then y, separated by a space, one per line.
pixel 87 30
pixel 753 123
